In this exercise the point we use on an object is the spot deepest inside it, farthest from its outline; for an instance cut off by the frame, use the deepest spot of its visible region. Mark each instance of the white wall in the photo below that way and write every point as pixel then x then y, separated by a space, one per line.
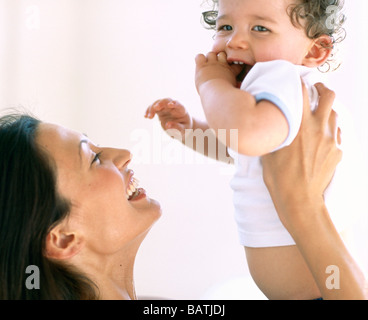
pixel 95 65
pixel 351 85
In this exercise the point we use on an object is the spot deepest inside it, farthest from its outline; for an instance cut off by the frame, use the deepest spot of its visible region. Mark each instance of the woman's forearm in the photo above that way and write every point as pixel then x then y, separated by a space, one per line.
pixel 336 273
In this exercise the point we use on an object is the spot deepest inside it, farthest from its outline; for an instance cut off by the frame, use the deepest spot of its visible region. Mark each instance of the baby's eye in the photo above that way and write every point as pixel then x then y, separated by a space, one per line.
pixel 225 28
pixel 260 29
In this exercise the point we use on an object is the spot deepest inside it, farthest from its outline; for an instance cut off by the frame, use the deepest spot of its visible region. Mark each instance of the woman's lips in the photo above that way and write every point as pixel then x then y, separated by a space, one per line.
pixel 139 194
pixel 133 193
pixel 132 186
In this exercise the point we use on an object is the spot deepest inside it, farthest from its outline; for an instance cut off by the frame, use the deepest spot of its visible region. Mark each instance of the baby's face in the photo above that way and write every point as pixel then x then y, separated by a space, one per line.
pixel 251 31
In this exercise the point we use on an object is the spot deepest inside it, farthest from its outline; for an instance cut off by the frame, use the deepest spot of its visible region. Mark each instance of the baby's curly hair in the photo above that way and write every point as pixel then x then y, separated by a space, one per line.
pixel 317 17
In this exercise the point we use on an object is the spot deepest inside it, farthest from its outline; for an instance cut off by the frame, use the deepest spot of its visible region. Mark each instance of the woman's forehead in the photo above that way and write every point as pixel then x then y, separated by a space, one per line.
pixel 61 143
pixel 53 133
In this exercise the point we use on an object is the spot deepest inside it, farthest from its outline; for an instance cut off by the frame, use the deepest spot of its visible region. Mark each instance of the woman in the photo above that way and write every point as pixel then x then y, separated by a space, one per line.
pixel 70 208
pixel 297 177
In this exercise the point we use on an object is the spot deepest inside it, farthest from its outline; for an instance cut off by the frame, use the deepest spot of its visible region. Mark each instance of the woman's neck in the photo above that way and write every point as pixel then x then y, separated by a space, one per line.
pixel 116 289
pixel 121 282
pixel 113 275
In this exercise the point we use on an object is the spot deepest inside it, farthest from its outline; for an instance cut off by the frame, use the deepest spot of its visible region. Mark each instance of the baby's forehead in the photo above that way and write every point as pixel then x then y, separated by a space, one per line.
pixel 255 7
pixel 258 3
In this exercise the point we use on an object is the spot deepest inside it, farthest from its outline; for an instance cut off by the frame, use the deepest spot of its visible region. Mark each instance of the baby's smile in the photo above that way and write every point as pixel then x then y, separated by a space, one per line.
pixel 242 69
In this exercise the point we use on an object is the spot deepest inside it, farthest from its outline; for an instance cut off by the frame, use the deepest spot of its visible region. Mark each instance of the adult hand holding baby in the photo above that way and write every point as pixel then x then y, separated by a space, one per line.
pixel 297 177
pixel 308 172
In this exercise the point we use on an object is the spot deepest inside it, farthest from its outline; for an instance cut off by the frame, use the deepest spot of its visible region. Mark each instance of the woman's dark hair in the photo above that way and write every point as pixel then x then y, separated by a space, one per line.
pixel 29 208
pixel 317 17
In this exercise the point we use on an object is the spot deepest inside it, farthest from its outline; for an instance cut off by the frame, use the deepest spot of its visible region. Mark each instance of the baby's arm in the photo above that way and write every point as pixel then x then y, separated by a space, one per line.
pixel 193 133
pixel 262 127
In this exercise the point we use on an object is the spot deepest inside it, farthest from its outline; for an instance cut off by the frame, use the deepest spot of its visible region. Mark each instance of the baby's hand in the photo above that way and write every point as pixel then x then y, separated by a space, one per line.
pixel 172 115
pixel 213 66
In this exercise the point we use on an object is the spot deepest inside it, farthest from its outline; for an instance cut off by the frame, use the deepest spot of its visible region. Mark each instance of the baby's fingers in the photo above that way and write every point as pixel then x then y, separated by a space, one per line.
pixel 200 59
pixel 149 113
pixel 156 107
pixel 175 105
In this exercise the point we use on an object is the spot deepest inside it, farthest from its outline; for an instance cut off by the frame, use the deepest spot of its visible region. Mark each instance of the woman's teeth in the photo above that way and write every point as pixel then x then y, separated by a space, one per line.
pixel 132 189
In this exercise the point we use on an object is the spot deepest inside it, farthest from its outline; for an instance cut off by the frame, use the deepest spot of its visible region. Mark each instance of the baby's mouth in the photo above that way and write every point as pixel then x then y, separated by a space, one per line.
pixel 244 70
pixel 241 76
pixel 243 73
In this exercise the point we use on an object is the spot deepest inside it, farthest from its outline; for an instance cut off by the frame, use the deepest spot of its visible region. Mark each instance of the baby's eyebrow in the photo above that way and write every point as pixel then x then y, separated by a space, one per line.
pixel 264 18
pixel 222 17
pixel 254 16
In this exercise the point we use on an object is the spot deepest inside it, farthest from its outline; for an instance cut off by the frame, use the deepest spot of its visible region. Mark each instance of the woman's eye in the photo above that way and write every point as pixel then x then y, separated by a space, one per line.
pixel 225 28
pixel 96 158
pixel 260 29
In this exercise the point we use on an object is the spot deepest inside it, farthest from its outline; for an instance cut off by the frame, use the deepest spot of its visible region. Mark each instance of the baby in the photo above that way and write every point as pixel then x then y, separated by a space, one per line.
pixel 252 82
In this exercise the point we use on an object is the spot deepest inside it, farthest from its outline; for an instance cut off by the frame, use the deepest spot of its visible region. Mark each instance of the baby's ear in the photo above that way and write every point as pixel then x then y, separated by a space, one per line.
pixel 319 52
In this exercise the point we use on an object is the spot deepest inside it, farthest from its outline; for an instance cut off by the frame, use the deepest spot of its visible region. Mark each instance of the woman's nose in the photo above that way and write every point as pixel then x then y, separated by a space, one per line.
pixel 121 157
pixel 237 41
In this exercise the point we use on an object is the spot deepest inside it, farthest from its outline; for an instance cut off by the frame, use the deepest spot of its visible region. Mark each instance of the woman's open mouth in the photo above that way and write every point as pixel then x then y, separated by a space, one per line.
pixel 133 192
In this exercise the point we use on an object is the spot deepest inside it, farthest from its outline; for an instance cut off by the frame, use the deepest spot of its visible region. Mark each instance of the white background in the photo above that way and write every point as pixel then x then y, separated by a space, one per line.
pixel 95 65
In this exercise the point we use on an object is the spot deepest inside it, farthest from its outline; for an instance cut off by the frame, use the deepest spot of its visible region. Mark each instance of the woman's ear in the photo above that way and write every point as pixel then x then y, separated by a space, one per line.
pixel 62 244
pixel 319 52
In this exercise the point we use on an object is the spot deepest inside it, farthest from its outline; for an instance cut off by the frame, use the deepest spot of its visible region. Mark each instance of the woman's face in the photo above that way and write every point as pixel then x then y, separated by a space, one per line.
pixel 99 185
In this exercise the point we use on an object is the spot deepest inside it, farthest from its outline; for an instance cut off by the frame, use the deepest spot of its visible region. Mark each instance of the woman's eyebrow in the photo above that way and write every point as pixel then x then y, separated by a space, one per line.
pixel 80 149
